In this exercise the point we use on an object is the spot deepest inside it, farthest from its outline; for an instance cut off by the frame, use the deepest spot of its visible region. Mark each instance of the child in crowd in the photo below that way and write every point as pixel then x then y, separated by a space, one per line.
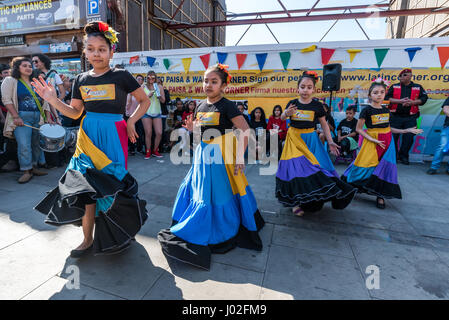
pixel 258 122
pixel 346 132
pixel 277 126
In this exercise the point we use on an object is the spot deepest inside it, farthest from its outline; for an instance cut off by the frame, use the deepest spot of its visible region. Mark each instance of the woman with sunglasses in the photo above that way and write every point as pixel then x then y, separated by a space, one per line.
pixel 153 116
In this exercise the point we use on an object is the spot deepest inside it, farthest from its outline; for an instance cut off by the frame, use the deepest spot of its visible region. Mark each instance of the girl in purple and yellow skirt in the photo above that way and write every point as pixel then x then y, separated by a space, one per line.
pixel 306 177
pixel 96 188
pixel 374 171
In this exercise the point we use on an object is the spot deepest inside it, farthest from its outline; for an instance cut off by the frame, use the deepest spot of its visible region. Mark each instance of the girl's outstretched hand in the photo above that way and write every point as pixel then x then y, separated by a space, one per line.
pixel 379 143
pixel 131 130
pixel 44 90
pixel 189 123
pixel 414 130
pixel 334 148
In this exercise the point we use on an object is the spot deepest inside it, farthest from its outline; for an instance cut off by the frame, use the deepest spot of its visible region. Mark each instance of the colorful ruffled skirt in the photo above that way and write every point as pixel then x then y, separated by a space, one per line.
pixel 214 209
pixel 374 171
pixel 97 174
pixel 306 176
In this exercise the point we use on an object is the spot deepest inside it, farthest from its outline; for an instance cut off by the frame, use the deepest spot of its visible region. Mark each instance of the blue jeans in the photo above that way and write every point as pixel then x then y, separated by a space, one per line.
pixel 28 150
pixel 438 157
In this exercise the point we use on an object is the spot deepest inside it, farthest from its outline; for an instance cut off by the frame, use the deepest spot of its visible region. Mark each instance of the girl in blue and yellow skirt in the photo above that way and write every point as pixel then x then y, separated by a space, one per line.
pixel 374 171
pixel 306 178
pixel 215 209
pixel 96 188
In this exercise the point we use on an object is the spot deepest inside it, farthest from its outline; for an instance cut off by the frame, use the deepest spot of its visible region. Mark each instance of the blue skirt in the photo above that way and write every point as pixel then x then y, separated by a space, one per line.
pixel 214 209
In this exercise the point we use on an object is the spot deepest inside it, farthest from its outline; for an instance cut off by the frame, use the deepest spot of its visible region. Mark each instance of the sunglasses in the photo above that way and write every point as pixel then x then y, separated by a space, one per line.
pixel 35 61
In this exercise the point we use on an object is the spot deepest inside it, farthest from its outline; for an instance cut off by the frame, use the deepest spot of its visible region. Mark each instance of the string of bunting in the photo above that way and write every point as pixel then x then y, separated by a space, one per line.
pixel 326 55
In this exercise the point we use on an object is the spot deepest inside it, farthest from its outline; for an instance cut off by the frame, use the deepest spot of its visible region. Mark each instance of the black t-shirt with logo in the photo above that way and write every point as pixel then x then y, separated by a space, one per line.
pixel 347 127
pixel 446 121
pixel 217 115
pixel 106 93
pixel 376 117
pixel 307 114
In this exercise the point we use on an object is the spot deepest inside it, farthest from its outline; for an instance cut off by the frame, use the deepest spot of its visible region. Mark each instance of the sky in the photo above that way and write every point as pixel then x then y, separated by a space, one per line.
pixel 294 32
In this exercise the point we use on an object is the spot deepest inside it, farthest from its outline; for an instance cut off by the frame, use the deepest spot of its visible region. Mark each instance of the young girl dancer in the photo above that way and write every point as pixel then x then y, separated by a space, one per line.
pixel 96 188
pixel 306 177
pixel 374 170
pixel 215 209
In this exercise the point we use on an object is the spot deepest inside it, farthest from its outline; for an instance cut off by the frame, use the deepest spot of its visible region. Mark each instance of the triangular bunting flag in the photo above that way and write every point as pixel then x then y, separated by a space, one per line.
pixel 285 58
pixel 133 59
pixel 186 63
pixel 411 52
pixel 241 57
pixel 326 55
pixel 380 55
pixel 205 59
pixel 353 53
pixel 222 57
pixel 151 61
pixel 261 57
pixel 444 55
pixel 167 63
pixel 309 49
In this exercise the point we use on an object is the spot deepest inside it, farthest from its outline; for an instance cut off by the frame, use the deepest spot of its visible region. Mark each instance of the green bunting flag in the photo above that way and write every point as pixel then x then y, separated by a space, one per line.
pixel 285 58
pixel 380 55
pixel 167 63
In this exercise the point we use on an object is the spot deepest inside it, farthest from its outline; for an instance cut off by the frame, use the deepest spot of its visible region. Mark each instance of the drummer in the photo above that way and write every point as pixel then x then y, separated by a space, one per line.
pixel 25 109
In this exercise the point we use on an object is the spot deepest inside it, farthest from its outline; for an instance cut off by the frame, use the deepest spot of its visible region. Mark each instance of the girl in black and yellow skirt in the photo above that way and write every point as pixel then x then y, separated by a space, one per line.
pixel 374 171
pixel 215 209
pixel 306 178
pixel 96 188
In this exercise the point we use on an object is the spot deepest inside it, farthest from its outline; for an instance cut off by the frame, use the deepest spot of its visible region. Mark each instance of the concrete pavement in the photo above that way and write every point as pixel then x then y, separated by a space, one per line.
pixel 320 256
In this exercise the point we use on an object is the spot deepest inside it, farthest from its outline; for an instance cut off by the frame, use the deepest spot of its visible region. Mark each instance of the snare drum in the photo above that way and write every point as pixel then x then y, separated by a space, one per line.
pixel 52 137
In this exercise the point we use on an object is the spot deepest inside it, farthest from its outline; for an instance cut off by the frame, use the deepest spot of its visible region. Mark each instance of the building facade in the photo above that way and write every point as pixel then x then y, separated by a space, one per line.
pixel 55 27
pixel 433 25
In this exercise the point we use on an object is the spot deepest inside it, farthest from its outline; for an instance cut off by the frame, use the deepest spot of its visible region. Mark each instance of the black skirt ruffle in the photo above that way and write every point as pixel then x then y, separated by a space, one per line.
pixel 311 192
pixel 200 256
pixel 115 228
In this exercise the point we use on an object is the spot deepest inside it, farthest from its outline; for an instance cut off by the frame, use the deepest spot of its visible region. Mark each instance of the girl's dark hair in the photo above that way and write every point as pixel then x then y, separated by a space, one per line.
pixel 309 75
pixel 46 60
pixel 92 29
pixel 15 66
pixel 353 108
pixel 223 74
pixel 276 107
pixel 262 116
pixel 376 84
pixel 191 101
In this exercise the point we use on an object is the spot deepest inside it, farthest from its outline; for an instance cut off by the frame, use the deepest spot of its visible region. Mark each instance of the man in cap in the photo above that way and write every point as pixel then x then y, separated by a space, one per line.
pixel 405 98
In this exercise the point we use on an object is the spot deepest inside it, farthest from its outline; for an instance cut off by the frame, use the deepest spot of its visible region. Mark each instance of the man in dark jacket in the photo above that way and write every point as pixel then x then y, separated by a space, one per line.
pixel 405 98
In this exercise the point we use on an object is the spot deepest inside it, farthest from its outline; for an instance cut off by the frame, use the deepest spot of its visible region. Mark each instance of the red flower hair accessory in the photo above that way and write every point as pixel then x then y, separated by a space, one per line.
pixel 312 74
pixel 103 26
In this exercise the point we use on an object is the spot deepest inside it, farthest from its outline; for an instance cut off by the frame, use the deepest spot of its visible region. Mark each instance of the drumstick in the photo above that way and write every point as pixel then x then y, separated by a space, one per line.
pixel 26 125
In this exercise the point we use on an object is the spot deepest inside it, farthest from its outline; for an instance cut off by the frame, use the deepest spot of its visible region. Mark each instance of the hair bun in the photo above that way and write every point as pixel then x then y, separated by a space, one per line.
pixel 91 27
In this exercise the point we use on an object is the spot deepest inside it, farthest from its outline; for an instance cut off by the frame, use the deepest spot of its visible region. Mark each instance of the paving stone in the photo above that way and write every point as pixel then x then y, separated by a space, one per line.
pixel 220 282
pixel 312 240
pixel 406 272
pixel 303 274
pixel 56 289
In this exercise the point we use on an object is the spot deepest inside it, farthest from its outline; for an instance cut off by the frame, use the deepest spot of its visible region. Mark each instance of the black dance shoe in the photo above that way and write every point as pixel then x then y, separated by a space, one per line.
pixel 79 253
pixel 380 205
